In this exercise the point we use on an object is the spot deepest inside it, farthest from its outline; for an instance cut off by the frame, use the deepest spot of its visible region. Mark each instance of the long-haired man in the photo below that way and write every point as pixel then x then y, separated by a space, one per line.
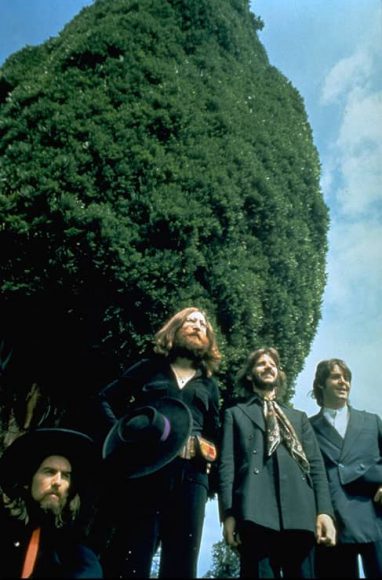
pixel 44 475
pixel 167 507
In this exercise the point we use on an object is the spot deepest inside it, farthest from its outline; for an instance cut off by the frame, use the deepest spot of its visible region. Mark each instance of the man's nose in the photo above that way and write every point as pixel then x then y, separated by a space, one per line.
pixel 57 479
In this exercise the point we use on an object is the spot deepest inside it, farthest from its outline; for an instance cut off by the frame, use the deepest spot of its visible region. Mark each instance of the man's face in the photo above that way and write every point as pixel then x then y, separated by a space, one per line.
pixel 265 373
pixel 51 483
pixel 336 389
pixel 193 332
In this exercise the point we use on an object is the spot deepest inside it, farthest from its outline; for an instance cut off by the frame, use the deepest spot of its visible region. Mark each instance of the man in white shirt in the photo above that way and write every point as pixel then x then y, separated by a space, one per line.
pixel 351 445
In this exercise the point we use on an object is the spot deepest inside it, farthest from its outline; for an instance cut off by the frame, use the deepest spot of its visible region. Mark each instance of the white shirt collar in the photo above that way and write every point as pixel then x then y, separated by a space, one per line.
pixel 338 418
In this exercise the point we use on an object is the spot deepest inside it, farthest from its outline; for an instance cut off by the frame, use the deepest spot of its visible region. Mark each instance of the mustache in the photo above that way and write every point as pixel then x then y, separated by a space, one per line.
pixel 57 493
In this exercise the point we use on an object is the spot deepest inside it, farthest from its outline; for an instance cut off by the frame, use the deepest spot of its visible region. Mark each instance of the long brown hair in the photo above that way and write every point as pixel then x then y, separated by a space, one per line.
pixel 165 337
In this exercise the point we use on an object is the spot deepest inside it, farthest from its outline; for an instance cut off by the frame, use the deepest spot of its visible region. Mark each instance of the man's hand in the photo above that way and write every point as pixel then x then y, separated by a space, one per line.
pixel 325 530
pixel 230 535
pixel 378 496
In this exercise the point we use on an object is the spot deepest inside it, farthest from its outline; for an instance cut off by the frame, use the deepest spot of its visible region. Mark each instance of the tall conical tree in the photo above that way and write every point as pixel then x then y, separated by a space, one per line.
pixel 151 158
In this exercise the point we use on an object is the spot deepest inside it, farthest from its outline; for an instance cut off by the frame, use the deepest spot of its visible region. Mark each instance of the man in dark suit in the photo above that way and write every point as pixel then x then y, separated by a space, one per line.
pixel 351 445
pixel 274 497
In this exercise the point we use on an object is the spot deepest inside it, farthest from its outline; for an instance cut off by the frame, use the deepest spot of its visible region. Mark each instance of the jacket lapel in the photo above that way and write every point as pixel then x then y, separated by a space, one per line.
pixel 326 432
pixel 253 409
pixel 354 429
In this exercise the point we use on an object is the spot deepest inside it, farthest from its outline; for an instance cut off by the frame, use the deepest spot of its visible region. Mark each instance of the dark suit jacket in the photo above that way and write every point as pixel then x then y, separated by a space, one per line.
pixel 151 379
pixel 354 469
pixel 60 553
pixel 272 492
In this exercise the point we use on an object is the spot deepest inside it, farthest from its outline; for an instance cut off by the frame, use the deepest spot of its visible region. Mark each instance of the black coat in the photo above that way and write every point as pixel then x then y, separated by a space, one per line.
pixel 271 492
pixel 151 379
pixel 60 555
pixel 354 469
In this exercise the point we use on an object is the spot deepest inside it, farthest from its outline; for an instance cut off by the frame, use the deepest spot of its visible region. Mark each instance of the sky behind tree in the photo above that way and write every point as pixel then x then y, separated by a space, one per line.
pixel 330 51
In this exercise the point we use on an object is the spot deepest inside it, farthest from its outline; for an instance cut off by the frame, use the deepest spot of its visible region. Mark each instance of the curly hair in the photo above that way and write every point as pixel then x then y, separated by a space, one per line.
pixel 165 337
pixel 246 384
pixel 323 370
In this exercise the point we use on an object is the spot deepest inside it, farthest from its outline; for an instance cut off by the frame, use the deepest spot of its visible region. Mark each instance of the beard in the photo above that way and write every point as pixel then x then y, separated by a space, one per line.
pixel 52 503
pixel 192 345
pixel 48 513
pixel 265 386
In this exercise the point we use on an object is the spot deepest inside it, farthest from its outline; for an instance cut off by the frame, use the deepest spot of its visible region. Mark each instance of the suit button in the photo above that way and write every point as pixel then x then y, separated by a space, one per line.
pixel 256 471
pixel 340 465
pixel 254 451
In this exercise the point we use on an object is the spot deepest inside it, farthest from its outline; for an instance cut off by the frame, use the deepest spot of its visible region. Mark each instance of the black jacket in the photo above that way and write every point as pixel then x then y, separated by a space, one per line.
pixel 271 492
pixel 60 553
pixel 354 468
pixel 151 379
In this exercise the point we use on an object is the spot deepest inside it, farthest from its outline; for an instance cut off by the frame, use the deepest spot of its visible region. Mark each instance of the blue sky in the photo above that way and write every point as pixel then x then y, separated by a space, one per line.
pixel 330 51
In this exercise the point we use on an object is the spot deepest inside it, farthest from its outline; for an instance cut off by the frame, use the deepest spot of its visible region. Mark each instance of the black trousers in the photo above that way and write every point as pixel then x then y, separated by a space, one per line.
pixel 167 510
pixel 266 553
pixel 341 561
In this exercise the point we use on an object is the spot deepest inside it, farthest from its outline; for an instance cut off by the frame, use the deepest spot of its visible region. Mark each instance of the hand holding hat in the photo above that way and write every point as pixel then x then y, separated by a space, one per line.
pixel 147 439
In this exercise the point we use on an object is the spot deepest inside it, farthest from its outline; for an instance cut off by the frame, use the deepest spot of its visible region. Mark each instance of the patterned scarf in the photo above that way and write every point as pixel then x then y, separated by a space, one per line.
pixel 279 429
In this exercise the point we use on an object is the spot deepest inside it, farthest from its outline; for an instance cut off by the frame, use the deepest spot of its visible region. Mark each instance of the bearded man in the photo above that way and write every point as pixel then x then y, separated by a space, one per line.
pixel 273 492
pixel 43 474
pixel 166 507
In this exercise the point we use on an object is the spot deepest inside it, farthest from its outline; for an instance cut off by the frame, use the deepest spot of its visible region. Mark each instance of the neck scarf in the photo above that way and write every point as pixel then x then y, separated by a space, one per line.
pixel 280 429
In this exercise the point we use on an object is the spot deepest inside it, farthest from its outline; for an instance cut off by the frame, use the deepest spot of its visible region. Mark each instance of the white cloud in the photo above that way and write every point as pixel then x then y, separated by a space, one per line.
pixel 359 147
pixel 353 87
pixel 345 74
pixel 355 269
pixel 362 120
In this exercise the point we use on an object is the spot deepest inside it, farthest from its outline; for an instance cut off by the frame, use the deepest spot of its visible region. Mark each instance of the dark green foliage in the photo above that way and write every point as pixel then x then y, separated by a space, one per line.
pixel 151 158
pixel 225 562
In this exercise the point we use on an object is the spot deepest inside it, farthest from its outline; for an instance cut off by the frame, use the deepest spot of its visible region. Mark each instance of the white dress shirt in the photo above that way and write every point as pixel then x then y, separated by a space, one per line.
pixel 338 418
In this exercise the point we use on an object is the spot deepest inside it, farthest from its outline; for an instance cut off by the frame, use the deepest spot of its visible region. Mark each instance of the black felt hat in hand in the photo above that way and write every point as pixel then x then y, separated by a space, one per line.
pixel 147 439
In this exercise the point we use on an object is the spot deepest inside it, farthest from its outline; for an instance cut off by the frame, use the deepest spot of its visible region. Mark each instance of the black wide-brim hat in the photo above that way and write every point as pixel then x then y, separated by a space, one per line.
pixel 147 439
pixel 23 457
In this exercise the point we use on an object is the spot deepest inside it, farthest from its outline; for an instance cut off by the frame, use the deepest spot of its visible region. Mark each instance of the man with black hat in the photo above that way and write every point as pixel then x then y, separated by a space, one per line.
pixel 42 476
pixel 163 486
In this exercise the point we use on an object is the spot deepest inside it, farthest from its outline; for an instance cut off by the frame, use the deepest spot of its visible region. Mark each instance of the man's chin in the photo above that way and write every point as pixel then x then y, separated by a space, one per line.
pixel 191 347
pixel 51 504
pixel 266 386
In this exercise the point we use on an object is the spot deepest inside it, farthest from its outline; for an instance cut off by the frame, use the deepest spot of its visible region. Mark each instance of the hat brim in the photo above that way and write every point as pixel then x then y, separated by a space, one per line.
pixel 22 458
pixel 133 460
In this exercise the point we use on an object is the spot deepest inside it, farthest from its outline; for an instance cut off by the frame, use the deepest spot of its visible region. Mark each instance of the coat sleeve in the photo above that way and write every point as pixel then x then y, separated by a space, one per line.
pixel 226 468
pixel 117 397
pixel 317 468
pixel 80 562
pixel 212 429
